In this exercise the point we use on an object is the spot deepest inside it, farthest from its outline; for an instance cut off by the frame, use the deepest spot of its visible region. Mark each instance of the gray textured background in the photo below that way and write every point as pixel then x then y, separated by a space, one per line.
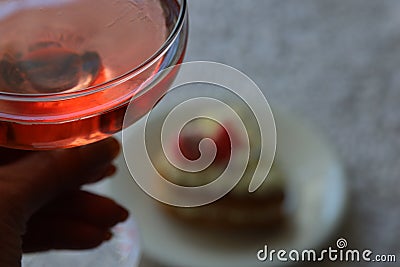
pixel 337 63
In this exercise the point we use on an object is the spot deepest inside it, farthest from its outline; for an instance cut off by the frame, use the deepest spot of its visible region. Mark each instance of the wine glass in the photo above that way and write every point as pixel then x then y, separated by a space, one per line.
pixel 69 69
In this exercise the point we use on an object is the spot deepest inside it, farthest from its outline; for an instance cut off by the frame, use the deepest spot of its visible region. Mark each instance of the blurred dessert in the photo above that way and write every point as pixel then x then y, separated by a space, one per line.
pixel 238 209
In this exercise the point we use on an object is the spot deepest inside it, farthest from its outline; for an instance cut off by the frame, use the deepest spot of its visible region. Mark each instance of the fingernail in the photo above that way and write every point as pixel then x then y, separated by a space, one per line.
pixel 110 171
pixel 124 214
pixel 101 173
pixel 114 147
pixel 121 214
pixel 110 145
pixel 101 152
pixel 108 236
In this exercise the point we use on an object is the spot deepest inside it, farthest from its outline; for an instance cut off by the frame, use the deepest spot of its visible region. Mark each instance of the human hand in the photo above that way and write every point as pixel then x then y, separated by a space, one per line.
pixel 42 206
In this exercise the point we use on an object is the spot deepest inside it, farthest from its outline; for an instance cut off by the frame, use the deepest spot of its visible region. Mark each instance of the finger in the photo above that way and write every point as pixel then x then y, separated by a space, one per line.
pixel 87 207
pixel 53 233
pixel 109 170
pixel 43 175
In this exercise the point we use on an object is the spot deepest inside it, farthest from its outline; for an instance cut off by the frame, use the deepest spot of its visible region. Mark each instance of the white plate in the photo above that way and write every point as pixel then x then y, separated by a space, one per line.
pixel 318 187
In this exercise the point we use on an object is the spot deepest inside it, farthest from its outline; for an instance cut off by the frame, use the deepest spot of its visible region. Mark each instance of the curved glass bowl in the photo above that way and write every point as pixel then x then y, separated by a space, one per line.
pixel 68 118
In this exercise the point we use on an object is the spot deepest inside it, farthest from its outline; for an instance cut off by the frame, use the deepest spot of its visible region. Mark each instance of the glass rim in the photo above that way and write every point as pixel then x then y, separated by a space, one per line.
pixel 113 81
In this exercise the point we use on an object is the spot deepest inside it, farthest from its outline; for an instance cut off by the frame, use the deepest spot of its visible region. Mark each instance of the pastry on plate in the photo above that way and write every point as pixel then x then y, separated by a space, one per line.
pixel 265 208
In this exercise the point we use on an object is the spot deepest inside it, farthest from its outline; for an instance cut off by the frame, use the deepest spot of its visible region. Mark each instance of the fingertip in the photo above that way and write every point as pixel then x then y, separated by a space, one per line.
pixel 100 152
pixel 111 145
pixel 108 236
pixel 110 171
pixel 115 147
pixel 123 214
pixel 98 175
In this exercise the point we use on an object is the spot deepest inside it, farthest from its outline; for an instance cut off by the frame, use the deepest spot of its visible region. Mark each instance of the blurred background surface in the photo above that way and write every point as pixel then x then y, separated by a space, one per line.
pixel 336 63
